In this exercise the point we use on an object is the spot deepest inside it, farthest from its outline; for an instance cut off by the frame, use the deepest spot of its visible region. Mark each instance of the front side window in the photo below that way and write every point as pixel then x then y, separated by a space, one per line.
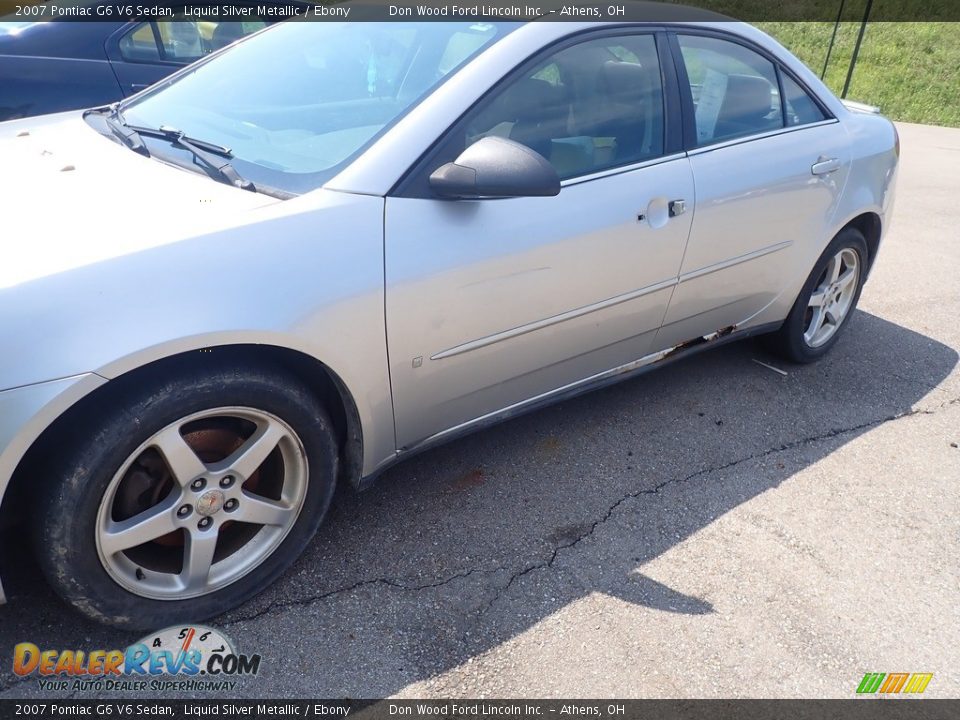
pixel 298 101
pixel 587 108
pixel 734 89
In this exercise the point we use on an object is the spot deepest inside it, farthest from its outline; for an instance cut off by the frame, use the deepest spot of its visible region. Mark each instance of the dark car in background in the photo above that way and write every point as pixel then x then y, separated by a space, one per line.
pixel 52 65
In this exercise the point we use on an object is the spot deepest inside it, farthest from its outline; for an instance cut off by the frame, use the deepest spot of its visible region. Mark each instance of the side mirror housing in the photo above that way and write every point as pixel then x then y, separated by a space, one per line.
pixel 494 167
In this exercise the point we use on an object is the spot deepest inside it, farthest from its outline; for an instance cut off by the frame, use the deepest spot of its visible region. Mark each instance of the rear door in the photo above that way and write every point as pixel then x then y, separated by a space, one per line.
pixel 490 303
pixel 769 165
pixel 49 67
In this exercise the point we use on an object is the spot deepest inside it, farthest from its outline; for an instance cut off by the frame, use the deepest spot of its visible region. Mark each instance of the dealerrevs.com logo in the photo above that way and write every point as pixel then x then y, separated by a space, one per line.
pixel 894 683
pixel 177 658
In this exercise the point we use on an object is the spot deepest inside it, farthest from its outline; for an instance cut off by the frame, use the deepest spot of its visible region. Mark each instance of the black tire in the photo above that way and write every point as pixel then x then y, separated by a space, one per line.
pixel 788 341
pixel 68 496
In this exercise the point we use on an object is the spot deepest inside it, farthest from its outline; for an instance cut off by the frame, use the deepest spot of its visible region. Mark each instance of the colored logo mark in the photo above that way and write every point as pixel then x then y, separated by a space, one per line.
pixel 893 683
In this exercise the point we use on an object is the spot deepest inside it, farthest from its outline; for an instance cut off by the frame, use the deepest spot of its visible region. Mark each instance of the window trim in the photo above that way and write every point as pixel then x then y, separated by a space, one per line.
pixel 622 169
pixel 689 114
pixel 693 152
pixel 778 71
pixel 414 183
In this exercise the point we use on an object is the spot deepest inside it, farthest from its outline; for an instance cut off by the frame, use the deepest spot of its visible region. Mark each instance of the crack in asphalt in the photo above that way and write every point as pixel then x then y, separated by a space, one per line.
pixel 704 471
pixel 398 584
pixel 301 602
pixel 556 550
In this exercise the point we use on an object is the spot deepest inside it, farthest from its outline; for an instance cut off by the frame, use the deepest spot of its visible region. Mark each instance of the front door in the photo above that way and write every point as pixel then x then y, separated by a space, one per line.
pixel 490 303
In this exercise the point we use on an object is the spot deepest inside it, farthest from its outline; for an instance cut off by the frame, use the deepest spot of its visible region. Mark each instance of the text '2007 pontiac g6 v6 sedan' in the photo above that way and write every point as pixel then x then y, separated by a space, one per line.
pixel 230 292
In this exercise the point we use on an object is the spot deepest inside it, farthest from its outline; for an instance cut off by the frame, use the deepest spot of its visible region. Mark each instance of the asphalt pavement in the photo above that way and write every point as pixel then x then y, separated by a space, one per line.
pixel 713 529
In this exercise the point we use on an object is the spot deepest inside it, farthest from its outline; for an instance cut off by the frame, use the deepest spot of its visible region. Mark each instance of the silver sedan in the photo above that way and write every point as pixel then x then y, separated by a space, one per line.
pixel 225 295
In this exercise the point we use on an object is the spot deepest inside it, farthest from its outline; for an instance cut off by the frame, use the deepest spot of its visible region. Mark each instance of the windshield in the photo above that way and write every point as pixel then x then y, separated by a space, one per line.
pixel 298 101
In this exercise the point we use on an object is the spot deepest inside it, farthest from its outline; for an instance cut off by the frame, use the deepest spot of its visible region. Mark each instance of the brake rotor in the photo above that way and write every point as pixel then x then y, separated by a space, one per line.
pixel 149 480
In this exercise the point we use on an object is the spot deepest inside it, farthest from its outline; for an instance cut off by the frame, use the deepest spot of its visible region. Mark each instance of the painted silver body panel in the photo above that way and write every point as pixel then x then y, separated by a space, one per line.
pixel 486 307
pixel 26 411
pixel 754 228
pixel 505 300
pixel 76 296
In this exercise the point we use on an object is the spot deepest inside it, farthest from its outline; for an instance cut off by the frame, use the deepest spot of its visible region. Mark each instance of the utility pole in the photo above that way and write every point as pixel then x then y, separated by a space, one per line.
pixel 833 39
pixel 856 49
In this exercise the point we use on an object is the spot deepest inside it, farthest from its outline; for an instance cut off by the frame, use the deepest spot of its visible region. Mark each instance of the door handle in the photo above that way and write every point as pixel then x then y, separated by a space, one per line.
pixel 659 212
pixel 825 166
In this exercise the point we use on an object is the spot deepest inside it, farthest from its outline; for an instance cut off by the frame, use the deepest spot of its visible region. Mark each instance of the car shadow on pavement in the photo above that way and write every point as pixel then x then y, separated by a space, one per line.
pixel 463 548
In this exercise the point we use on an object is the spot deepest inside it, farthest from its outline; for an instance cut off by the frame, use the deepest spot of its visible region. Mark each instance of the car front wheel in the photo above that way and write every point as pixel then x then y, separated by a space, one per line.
pixel 186 496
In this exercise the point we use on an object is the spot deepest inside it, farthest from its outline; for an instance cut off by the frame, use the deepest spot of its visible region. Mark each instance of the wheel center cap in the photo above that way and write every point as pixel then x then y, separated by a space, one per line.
pixel 210 503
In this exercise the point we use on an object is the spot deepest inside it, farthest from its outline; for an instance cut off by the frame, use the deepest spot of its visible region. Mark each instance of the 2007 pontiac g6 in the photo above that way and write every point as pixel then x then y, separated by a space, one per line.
pixel 223 296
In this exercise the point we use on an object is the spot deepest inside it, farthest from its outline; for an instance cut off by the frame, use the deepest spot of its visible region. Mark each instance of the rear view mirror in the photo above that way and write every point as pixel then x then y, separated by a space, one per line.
pixel 494 167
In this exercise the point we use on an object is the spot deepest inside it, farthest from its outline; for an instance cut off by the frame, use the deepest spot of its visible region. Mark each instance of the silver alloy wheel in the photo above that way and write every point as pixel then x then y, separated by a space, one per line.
pixel 202 503
pixel 831 301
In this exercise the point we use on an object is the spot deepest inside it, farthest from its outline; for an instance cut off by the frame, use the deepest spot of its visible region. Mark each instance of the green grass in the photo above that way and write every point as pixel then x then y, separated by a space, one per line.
pixel 910 70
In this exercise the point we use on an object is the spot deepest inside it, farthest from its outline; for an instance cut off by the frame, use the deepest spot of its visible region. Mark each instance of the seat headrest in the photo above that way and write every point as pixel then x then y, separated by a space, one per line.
pixel 184 31
pixel 531 97
pixel 747 98
pixel 625 81
pixel 226 33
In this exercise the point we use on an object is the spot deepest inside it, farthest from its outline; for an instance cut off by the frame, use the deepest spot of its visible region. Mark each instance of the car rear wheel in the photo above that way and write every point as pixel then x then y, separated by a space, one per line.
pixel 185 497
pixel 826 302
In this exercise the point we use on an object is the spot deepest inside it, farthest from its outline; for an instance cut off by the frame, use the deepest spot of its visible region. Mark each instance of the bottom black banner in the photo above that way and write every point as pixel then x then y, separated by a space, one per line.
pixel 860 709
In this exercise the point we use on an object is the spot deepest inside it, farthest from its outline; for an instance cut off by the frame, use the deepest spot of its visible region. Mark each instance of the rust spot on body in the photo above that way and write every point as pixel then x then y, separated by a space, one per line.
pixel 703 340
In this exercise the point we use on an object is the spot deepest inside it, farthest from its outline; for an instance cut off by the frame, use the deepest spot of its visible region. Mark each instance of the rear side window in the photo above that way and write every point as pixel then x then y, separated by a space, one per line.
pixel 140 44
pixel 187 40
pixel 181 40
pixel 801 108
pixel 734 89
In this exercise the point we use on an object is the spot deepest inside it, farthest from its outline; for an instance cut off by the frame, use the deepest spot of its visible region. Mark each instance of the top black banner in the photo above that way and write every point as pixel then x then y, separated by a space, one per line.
pixel 485 10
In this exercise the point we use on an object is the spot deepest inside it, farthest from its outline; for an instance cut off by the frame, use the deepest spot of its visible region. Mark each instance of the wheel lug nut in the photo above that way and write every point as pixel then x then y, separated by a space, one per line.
pixel 226 481
pixel 230 505
pixel 204 523
pixel 198 484
pixel 184 510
